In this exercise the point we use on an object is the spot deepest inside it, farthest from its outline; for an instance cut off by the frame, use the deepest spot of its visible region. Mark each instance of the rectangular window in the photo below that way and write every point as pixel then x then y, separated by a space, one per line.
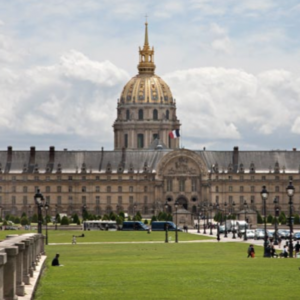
pixel 0 189
pixel 48 199
pixel 36 178
pixel 48 189
pixel 217 189
pixel 241 200
pixel 140 140
pixel 217 199
pixel 277 189
pixel 25 189
pixel 230 200
pixel 252 199
pixel 70 199
pixel 83 189
pixel 14 189
pixel 59 189
pixel 108 189
pixel 145 189
pixel 230 177
pixel 263 178
pixel 291 178
pixel 24 200
pixel 252 177
pixel 131 189
pixel 145 199
pixel 241 189
pixel 70 189
pixel 97 177
pixel 169 185
pixel 108 200
pixel 277 177
pixel 97 189
pixel 120 200
pixel 230 188
pixel 13 200
pixel 59 200
pixel 181 185
pixel 97 199
pixel 126 140
pixel 119 189
pixel 130 199
pixel 83 199
pixel 59 178
pixel 83 178
pixel 252 189
pixel 194 185
pixel 47 178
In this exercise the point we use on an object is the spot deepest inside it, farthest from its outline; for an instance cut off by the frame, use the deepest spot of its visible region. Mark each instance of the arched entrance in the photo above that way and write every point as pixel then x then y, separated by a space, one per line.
pixel 182 202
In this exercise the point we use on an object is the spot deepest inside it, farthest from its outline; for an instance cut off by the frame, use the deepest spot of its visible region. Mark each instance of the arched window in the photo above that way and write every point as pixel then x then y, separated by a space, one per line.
pixel 141 114
pixel 167 115
pixel 155 114
pixel 127 114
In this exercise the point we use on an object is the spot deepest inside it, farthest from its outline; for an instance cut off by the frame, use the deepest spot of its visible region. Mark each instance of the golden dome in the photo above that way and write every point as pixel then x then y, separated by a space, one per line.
pixel 146 87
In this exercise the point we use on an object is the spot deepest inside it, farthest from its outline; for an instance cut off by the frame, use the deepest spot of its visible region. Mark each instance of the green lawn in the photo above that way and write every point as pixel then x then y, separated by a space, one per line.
pixel 163 271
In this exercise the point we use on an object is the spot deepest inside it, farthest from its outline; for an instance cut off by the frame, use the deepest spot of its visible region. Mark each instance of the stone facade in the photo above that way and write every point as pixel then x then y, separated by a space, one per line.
pixel 146 170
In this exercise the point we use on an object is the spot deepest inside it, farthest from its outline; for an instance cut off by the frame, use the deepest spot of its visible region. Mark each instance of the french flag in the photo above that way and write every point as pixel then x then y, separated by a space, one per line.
pixel 174 134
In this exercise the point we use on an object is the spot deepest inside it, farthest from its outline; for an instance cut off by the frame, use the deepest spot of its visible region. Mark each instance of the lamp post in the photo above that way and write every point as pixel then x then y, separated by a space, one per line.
pixel 210 209
pixel 245 210
pixel 275 224
pixel 39 200
pixel 83 216
pixel 290 192
pixel 166 224
pixel 56 213
pixel 134 208
pixel 198 214
pixel 46 219
pixel 225 206
pixel 204 217
pixel 218 224
pixel 233 229
pixel 176 232
pixel 264 195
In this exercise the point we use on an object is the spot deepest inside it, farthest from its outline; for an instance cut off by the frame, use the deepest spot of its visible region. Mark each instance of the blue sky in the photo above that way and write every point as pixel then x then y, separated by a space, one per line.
pixel 231 65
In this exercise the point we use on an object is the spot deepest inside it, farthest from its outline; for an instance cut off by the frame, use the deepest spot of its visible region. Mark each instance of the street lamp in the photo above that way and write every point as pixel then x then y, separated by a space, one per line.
pixel 204 218
pixel 290 192
pixel 56 213
pixel 39 200
pixel 134 208
pixel 176 232
pixel 83 216
pixel 275 224
pixel 46 219
pixel 218 224
pixel 233 229
pixel 166 224
pixel 225 206
pixel 245 210
pixel 198 227
pixel 264 195
pixel 210 209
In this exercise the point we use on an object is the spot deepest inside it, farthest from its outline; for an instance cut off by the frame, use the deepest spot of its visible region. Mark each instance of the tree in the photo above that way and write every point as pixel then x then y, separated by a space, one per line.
pixel 259 218
pixel 282 218
pixel 17 220
pixel 76 219
pixel 24 221
pixel 296 219
pixel 154 218
pixel 34 218
pixel 269 219
pixel 65 221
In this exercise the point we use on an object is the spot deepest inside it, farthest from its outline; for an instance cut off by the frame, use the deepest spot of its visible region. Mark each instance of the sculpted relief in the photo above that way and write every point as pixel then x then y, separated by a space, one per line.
pixel 181 165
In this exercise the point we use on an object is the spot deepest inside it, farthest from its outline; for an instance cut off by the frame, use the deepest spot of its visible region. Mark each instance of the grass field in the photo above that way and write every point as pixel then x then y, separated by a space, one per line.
pixel 162 271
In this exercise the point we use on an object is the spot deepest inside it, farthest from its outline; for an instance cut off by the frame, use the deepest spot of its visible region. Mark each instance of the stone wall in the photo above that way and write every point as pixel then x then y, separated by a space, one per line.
pixel 19 256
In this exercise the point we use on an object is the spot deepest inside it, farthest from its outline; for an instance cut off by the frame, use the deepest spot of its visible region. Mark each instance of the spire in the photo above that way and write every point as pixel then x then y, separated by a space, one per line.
pixel 146 64
pixel 146 44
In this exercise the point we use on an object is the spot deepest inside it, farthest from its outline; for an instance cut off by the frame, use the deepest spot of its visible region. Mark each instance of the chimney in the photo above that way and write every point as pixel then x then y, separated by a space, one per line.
pixel 235 159
pixel 294 149
pixel 32 155
pixel 9 153
pixel 51 154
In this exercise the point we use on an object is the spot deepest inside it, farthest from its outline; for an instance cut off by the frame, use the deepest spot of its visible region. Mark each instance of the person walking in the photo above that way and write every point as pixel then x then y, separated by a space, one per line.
pixel 297 249
pixel 74 240
pixel 251 251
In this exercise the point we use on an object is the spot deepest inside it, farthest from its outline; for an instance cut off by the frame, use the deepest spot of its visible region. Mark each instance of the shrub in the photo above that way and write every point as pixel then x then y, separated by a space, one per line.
pixel 24 221
pixel 65 221
pixel 296 219
pixel 146 222
pixel 34 218
pixel 76 219
pixel 259 218
pixel 269 219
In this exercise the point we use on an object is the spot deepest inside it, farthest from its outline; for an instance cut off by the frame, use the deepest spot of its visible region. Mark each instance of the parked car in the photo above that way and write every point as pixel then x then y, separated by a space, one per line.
pixel 260 234
pixel 296 236
pixel 221 228
pixel 283 233
pixel 250 234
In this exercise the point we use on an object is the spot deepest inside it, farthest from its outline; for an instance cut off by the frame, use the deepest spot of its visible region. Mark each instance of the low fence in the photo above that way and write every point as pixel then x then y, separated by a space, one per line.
pixel 19 256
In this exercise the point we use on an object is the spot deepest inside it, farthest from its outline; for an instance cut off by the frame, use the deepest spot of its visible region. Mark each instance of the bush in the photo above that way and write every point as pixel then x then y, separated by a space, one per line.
pixel 24 221
pixel 76 219
pixel 65 221
pixel 146 222
pixel 269 219
pixel 282 218
pixel 259 218
pixel 296 219
pixel 34 218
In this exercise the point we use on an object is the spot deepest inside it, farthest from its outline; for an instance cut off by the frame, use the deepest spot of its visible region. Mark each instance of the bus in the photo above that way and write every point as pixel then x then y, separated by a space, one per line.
pixel 100 225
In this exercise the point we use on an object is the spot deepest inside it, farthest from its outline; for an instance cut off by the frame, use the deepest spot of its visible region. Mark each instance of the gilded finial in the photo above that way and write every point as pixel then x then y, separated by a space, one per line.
pixel 146 44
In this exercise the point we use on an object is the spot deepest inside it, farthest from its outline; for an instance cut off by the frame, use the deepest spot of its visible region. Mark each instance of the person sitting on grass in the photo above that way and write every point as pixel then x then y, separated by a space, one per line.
pixel 55 261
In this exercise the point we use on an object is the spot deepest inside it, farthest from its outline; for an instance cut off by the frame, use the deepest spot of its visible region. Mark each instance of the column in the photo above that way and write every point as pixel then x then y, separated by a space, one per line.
pixel 26 265
pixel 3 260
pixel 19 275
pixel 10 271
